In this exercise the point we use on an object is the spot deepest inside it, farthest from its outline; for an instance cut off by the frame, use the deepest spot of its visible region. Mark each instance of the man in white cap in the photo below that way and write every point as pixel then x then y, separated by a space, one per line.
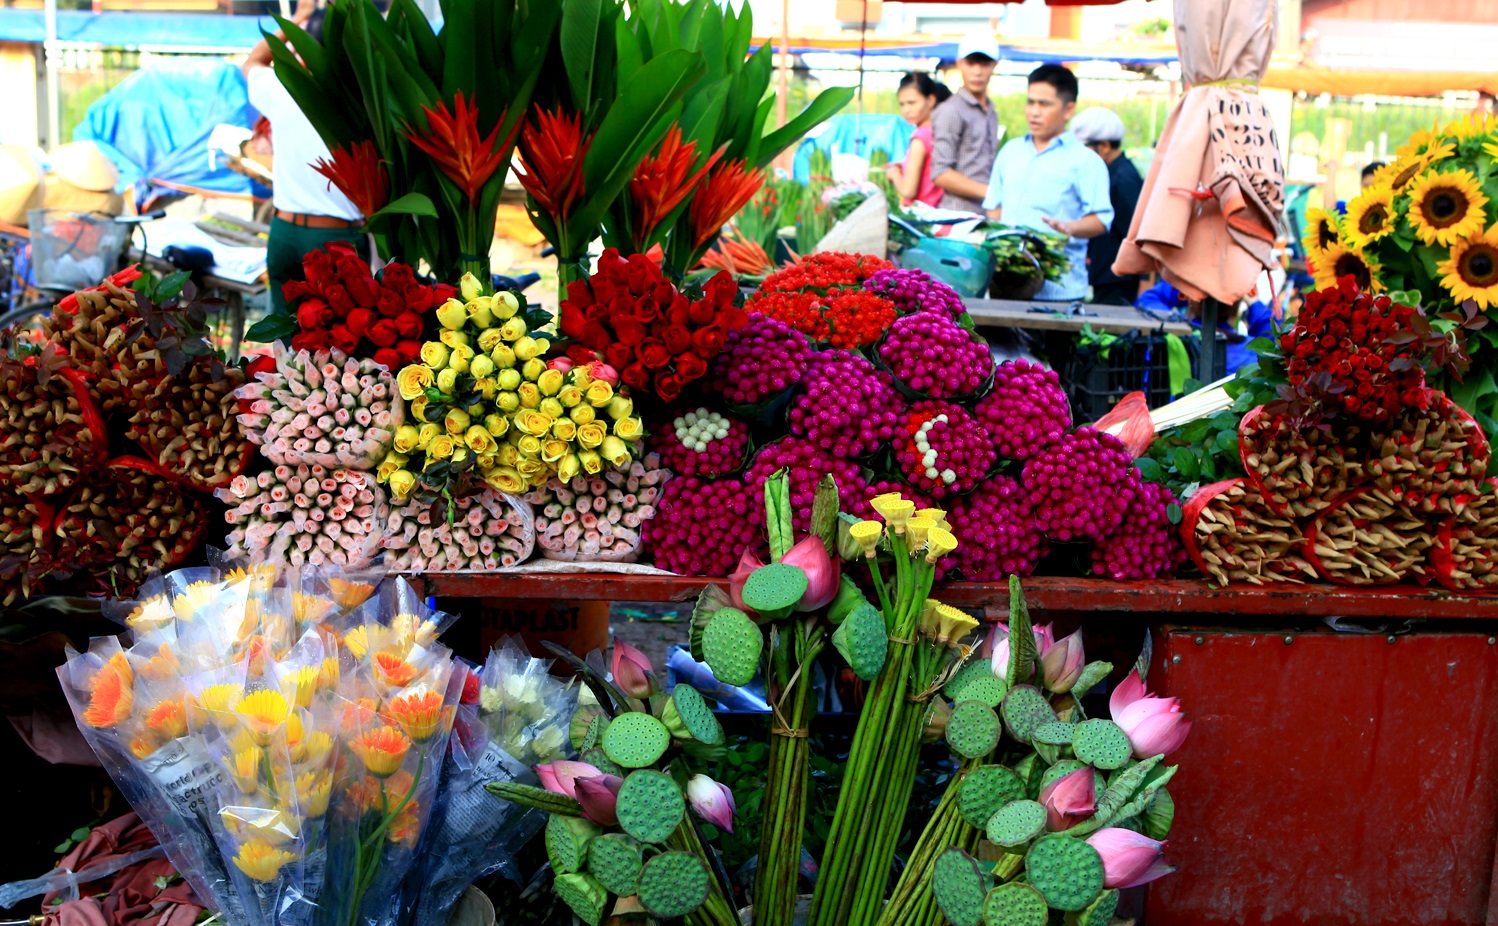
pixel 965 128
pixel 1101 130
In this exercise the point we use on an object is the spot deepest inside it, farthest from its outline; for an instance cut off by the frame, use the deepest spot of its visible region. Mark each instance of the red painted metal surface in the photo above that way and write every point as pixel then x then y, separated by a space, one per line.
pixel 1336 780
pixel 1180 596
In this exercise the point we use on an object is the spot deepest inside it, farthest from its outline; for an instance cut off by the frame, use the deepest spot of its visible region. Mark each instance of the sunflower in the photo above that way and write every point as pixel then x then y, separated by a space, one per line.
pixel 1470 126
pixel 1446 207
pixel 1369 217
pixel 1472 270
pixel 1396 175
pixel 1420 141
pixel 1339 261
pixel 1321 233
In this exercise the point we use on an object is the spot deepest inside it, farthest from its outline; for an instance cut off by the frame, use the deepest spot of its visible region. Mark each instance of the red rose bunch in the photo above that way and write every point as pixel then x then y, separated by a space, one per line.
pixel 821 298
pixel 1356 352
pixel 341 305
pixel 631 317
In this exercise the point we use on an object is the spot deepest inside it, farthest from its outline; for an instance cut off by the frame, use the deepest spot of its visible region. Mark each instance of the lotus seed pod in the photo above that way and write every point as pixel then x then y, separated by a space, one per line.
pixel 731 645
pixel 976 682
pixel 1025 709
pixel 960 883
pixel 985 790
pixel 635 740
pixel 863 640
pixel 1067 871
pixel 1016 823
pixel 973 730
pixel 650 805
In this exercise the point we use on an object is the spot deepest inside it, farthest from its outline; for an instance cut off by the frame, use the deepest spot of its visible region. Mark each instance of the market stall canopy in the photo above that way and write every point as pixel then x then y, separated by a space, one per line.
pixel 928 46
pixel 1210 208
pixel 1316 80
pixel 134 30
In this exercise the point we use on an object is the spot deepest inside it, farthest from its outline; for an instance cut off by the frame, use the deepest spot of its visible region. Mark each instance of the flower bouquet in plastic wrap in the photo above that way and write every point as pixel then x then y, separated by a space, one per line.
pixel 283 732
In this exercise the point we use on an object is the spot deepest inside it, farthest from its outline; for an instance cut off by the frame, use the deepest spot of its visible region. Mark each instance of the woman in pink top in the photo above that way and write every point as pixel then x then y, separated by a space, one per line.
pixel 919 95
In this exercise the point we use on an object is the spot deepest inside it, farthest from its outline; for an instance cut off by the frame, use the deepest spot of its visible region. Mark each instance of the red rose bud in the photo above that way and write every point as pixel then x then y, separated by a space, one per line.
pixel 708 342
pixel 409 325
pixel 668 386
pixel 291 291
pixel 677 339
pixel 560 364
pixel 262 363
pixel 410 352
pixel 618 356
pixel 318 267
pixel 310 313
pixel 629 329
pixel 443 292
pixel 344 339
pixel 581 353
pixel 314 340
pixel 397 276
pixel 389 358
pixel 383 333
pixel 418 299
pixel 635 376
pixel 702 312
pixel 364 292
pixel 690 367
pixel 653 353
pixel 339 300
pixel 359 322
pixel 389 304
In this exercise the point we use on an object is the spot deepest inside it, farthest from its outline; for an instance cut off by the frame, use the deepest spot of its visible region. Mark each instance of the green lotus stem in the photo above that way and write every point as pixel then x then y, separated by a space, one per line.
pixel 912 897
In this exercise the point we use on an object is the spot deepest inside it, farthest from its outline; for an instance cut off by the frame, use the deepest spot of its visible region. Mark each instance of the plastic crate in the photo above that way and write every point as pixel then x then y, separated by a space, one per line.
pixel 74 250
pixel 1097 377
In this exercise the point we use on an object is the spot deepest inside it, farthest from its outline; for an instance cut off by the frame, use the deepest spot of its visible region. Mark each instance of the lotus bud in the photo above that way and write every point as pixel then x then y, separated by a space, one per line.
pixel 503 356
pixel 560 777
pixel 479 314
pixel 434 354
pixel 632 672
pixel 600 797
pixel 470 287
pixel 621 407
pixel 550 381
pixel 447 381
pixel 457 421
pixel 452 314
pixel 489 339
pixel 1070 799
pixel 1129 858
pixel 711 801
pixel 482 366
pixel 1061 664
pixel 1155 726
pixel 532 369
pixel 504 305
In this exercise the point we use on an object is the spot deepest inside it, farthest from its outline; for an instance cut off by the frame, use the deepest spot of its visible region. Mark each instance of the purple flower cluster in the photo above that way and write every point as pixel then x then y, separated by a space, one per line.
pixel 1026 410
pixel 942 449
pixel 1078 486
pixel 807 464
pixel 935 356
pixel 700 527
pixel 915 291
pixel 1146 545
pixel 702 441
pixel 846 407
pixel 762 358
pixel 998 536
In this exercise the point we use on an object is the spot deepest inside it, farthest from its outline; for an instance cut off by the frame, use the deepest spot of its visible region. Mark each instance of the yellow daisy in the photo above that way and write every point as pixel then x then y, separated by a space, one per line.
pixel 1321 233
pixel 1369 217
pixel 1446 207
pixel 1339 261
pixel 1472 270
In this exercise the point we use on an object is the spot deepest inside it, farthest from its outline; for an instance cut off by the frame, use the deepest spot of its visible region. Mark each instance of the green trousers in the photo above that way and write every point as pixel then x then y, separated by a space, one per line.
pixel 288 243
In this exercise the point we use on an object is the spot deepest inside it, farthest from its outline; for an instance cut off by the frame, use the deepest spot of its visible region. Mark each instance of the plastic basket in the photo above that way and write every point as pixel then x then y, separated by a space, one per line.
pixel 1097 377
pixel 74 250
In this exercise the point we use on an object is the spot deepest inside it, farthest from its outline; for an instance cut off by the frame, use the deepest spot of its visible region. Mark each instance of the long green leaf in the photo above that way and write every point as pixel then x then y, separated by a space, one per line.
pixel 635 115
pixel 582 25
pixel 314 58
pixel 627 47
pixel 744 97
pixel 591 214
pixel 827 103
pixel 710 40
pixel 423 40
pixel 410 204
pixel 702 113
pixel 460 53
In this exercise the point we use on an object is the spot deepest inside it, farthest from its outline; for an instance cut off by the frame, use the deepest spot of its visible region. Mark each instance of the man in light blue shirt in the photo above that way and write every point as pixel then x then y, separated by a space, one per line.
pixel 1049 181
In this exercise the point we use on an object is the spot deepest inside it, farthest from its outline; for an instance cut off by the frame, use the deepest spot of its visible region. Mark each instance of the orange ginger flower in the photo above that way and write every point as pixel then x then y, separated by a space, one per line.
pixel 420 714
pixel 452 140
pixel 719 198
pixel 393 671
pixel 381 750
pixel 112 696
pixel 664 180
pixel 168 719
pixel 359 174
pixel 552 150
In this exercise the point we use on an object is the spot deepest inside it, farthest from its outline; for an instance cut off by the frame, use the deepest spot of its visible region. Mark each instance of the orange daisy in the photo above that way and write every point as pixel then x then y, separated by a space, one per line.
pixel 168 719
pixel 393 671
pixel 420 714
pixel 406 826
pixel 111 697
pixel 382 750
pixel 261 860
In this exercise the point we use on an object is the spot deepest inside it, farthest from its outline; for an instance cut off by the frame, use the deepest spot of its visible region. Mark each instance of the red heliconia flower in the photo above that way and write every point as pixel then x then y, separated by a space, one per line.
pixel 552 150
pixel 359 174
pixel 453 141
pixel 663 180
pixel 727 188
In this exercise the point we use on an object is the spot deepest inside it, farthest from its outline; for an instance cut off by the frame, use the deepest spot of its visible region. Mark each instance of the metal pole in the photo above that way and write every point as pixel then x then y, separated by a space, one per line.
pixel 1210 314
pixel 782 97
pixel 54 79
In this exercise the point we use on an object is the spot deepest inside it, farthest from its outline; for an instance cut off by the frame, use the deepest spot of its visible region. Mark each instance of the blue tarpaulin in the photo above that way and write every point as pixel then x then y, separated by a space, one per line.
pixel 849 133
pixel 118 29
pixel 154 126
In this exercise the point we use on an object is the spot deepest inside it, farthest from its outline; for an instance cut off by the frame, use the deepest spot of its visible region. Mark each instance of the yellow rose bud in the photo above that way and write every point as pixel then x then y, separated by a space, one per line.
pixel 570 396
pixel 406 437
pixel 413 381
pixel 614 450
pixel 564 429
pixel 533 422
pixel 590 435
pixel 592 462
pixel 452 314
pixel 447 381
pixel 454 338
pixel 506 479
pixel 488 461
pixel 505 305
pixel 552 408
pixel 582 414
pixel 479 314
pixel 568 466
pixel 428 432
pixel 457 421
pixel 470 287
pixel 387 468
pixel 530 396
pixel 507 401
pixel 621 406
pixel 482 366
pixel 489 339
pixel 419 409
pixel 399 459
pixel 526 347
pixel 513 329
pixel 550 382
pixel 488 387
pixel 441 448
pixel 599 393
pixel 460 452
pixel 434 354
pixel 532 469
pixel 496 425
pixel 478 439
pixel 542 346
pixel 580 377
pixel 460 358
pixel 507 454
pixel 553 450
pixel 402 481
pixel 509 380
pixel 533 368
pixel 530 446
pixel 503 355
pixel 630 429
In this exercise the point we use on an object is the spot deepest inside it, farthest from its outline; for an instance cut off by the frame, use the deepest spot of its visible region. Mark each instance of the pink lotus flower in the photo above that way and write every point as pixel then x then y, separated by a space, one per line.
pixel 1070 799
pixel 748 562
pixel 560 777
pixel 1061 663
pixel 1156 726
pixel 1129 859
pixel 1045 638
pixel 632 672
pixel 600 797
pixel 823 573
pixel 712 801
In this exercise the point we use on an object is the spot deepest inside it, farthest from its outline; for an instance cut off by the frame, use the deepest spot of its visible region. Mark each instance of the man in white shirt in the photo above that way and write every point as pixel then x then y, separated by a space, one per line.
pixel 310 211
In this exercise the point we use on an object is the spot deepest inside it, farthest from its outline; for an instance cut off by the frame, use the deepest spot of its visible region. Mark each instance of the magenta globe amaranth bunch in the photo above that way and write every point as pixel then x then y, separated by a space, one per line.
pixel 846 407
pixel 942 449
pixel 807 464
pixel 935 356
pixel 1000 537
pixel 1026 410
pixel 914 290
pixel 1078 486
pixel 763 358
pixel 1146 545
pixel 700 441
pixel 701 527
